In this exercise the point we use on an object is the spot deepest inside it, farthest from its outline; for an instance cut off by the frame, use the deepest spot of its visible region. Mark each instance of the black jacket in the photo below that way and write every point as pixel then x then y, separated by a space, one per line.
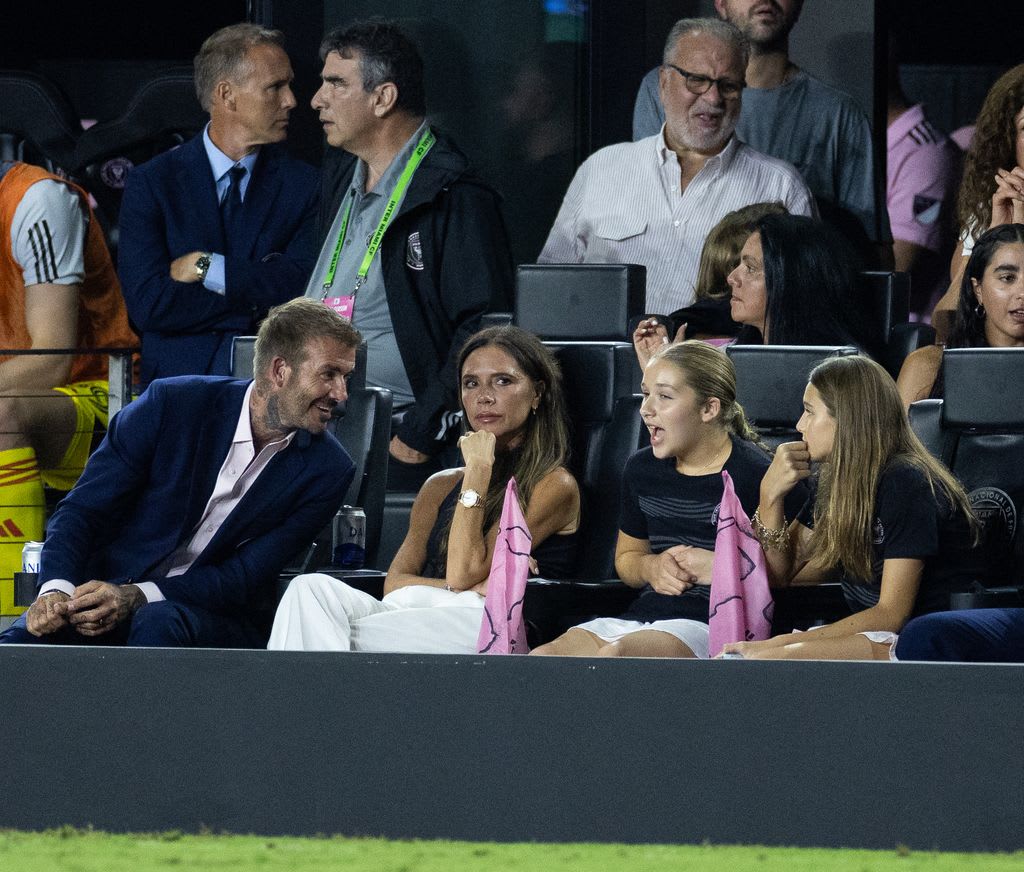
pixel 445 260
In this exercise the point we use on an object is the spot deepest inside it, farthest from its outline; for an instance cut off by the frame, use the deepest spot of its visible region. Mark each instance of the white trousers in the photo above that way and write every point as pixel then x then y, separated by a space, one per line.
pixel 320 613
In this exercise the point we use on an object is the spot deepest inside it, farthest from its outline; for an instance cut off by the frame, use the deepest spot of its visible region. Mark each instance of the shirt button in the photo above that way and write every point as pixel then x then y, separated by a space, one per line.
pixel 675 223
pixel 209 529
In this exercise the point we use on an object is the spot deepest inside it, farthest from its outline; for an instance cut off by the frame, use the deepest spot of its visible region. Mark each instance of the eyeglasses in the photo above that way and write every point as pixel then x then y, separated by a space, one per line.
pixel 698 84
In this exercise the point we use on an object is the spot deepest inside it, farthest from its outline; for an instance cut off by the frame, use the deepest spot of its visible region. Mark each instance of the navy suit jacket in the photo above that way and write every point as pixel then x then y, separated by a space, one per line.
pixel 169 209
pixel 145 488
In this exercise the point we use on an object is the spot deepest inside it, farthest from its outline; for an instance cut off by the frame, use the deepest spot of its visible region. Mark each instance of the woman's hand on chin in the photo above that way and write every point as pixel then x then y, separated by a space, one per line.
pixel 477 448
pixel 791 464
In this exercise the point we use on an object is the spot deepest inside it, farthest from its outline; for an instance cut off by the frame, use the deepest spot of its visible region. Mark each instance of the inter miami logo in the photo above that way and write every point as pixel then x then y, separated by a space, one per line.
pixel 995 511
pixel 414 252
pixel 114 172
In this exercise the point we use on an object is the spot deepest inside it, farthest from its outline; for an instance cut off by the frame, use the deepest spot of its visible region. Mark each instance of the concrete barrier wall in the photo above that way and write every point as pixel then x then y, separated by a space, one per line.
pixel 863 755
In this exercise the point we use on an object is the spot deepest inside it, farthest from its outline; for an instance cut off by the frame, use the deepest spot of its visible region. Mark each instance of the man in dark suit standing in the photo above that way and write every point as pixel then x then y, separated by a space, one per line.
pixel 214 233
pixel 198 496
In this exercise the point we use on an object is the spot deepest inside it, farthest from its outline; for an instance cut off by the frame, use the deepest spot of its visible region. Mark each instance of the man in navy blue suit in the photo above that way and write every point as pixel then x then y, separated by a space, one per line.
pixel 198 496
pixel 214 233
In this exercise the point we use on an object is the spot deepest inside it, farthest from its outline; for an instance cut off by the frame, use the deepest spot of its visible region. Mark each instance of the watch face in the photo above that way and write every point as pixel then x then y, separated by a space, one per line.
pixel 470 498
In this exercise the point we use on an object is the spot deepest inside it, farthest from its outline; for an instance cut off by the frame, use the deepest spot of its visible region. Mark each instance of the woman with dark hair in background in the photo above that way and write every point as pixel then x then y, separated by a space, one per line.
pixel 708 317
pixel 796 284
pixel 989 312
pixel 512 403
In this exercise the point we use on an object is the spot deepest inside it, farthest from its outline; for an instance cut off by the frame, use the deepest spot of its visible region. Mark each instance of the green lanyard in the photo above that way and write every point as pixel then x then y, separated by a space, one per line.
pixel 415 159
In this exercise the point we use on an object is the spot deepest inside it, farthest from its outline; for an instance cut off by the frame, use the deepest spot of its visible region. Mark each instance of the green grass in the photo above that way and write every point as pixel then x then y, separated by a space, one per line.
pixel 85 851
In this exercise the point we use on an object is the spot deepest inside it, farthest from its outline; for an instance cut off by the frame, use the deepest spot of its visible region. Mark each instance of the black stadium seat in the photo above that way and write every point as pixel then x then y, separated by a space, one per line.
pixel 770 382
pixel 163 113
pixel 604 411
pixel 37 123
pixel 579 301
pixel 983 411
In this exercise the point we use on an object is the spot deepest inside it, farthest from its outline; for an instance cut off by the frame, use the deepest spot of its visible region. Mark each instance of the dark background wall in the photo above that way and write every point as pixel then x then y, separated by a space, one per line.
pixel 479 53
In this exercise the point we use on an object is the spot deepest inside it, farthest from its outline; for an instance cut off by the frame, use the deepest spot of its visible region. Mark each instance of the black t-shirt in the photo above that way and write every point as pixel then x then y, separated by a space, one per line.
pixel 668 508
pixel 911 522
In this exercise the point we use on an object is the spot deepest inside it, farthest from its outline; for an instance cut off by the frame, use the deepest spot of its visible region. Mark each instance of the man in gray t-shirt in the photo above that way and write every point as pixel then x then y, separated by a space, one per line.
pixel 789 114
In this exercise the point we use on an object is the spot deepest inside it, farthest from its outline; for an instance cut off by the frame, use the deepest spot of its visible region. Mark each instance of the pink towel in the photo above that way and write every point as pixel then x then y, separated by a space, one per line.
pixel 502 630
pixel 741 604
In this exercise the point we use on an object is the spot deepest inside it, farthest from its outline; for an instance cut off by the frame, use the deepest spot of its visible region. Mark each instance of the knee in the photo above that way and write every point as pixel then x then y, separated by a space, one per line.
pixel 610 649
pixel 545 650
pixel 920 639
pixel 159 625
pixel 311 587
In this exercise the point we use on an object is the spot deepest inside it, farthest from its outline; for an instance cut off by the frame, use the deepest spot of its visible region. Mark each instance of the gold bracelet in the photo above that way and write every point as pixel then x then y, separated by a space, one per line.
pixel 777 540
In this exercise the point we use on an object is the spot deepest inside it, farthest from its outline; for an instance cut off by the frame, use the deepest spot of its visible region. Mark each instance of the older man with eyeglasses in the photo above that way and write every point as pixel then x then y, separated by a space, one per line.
pixel 654 201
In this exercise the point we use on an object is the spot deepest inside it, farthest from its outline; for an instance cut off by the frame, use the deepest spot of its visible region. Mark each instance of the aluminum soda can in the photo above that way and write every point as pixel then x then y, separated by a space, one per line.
pixel 30 556
pixel 348 538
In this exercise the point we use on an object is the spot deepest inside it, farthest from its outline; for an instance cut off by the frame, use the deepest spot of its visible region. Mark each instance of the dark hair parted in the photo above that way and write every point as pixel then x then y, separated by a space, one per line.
pixel 810 274
pixel 993 147
pixel 288 329
pixel 545 445
pixel 710 373
pixel 969 322
pixel 871 432
pixel 223 56
pixel 386 53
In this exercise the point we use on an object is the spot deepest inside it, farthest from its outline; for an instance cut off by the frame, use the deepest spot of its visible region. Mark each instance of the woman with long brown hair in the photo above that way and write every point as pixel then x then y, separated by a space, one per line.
pixel 891 518
pixel 434 592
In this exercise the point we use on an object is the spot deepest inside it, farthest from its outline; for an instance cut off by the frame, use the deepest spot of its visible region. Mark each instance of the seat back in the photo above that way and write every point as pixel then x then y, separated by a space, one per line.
pixel 770 382
pixel 365 430
pixel 984 410
pixel 163 113
pixel 888 296
pixel 37 122
pixel 579 301
pixel 604 413
pixel 926 422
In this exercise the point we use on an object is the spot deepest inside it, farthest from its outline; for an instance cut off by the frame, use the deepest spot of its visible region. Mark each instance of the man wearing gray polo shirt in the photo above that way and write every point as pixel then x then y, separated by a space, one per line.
pixel 414 247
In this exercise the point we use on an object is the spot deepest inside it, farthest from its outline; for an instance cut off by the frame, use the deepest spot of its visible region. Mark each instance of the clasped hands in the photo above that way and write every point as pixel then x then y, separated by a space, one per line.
pixel 679 568
pixel 1008 198
pixel 96 607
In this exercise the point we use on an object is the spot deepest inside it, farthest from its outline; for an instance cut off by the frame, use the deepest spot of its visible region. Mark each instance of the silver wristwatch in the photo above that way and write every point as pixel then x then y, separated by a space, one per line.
pixel 471 499
pixel 202 266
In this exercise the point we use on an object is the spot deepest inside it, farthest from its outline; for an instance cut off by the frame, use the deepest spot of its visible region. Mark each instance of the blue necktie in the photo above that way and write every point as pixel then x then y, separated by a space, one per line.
pixel 231 205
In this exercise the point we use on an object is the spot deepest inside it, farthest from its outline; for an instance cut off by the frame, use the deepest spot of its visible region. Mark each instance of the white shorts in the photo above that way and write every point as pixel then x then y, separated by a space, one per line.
pixel 693 634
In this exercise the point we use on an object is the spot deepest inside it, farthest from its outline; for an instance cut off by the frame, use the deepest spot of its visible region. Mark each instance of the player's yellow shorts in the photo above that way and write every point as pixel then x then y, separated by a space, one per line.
pixel 91 399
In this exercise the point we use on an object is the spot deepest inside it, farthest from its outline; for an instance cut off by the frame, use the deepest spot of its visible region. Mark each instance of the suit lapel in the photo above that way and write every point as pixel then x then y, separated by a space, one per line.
pixel 196 178
pixel 212 447
pixel 285 468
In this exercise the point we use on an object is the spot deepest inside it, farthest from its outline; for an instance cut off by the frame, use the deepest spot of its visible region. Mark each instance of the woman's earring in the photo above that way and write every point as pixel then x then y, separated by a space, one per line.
pixel 979 310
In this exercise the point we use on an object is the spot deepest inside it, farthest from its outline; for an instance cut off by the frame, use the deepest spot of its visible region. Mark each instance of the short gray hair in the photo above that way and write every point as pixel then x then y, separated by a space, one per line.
pixel 223 56
pixel 723 31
